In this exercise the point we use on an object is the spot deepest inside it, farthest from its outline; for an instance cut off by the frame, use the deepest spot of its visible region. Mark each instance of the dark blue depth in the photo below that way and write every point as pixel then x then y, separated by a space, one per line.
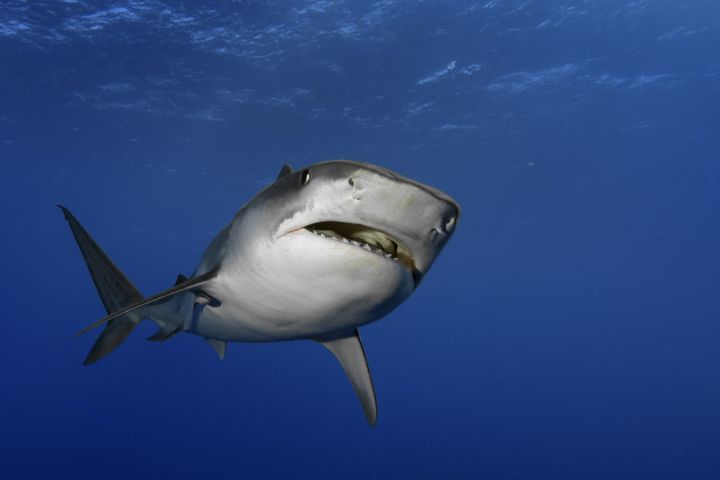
pixel 570 329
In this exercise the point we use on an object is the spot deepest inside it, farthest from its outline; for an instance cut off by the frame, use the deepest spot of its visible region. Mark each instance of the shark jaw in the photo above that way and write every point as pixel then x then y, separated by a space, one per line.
pixel 367 238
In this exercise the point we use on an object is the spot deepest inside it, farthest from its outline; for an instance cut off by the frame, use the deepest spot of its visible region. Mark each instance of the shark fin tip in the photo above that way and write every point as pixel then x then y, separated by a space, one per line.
pixel 65 211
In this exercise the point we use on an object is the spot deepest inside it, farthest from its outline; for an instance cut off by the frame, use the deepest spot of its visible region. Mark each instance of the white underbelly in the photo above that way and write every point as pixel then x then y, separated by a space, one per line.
pixel 233 323
pixel 241 322
pixel 263 309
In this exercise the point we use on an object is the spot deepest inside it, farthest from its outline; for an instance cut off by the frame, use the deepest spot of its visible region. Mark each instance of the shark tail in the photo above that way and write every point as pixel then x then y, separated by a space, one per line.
pixel 124 304
pixel 115 290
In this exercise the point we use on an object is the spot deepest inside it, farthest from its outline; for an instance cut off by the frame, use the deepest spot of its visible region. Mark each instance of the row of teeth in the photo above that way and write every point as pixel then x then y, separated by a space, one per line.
pixel 378 251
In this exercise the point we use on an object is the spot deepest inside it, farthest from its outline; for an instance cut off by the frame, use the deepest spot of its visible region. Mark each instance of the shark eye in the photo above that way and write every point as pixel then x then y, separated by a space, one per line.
pixel 305 177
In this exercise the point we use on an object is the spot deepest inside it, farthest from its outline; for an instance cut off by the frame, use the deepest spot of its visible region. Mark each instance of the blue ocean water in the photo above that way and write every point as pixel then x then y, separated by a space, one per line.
pixel 569 330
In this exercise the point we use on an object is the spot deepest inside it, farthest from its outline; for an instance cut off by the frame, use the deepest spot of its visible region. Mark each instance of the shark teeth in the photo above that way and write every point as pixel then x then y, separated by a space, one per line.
pixel 363 245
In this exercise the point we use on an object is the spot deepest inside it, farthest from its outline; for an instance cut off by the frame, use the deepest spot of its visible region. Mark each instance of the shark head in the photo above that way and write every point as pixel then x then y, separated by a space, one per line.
pixel 345 237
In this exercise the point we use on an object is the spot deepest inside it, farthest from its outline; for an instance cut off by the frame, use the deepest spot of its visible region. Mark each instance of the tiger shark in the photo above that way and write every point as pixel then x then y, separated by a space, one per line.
pixel 316 254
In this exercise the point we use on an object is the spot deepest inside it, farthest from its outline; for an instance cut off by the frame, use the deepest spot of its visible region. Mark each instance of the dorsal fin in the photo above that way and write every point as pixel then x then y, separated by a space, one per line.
pixel 194 282
pixel 348 350
pixel 285 170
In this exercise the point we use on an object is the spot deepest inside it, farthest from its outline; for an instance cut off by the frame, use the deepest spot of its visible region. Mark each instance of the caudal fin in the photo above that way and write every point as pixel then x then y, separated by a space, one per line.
pixel 115 290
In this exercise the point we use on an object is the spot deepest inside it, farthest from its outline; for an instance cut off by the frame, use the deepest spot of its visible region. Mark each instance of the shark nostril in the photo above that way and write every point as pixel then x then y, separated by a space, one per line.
pixel 450 225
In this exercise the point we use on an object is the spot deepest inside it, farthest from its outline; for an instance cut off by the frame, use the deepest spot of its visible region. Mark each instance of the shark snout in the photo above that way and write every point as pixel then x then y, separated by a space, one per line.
pixel 447 223
pixel 442 218
pixel 418 216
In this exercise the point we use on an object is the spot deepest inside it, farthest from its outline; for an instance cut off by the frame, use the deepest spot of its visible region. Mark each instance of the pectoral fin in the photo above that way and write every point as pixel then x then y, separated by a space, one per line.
pixel 349 351
pixel 190 284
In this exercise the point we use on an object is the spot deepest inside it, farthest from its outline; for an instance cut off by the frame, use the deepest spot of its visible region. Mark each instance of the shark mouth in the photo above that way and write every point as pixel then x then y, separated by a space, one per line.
pixel 369 239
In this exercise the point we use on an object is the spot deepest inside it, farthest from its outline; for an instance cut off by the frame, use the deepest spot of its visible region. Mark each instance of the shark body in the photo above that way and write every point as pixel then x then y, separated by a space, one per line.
pixel 315 255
